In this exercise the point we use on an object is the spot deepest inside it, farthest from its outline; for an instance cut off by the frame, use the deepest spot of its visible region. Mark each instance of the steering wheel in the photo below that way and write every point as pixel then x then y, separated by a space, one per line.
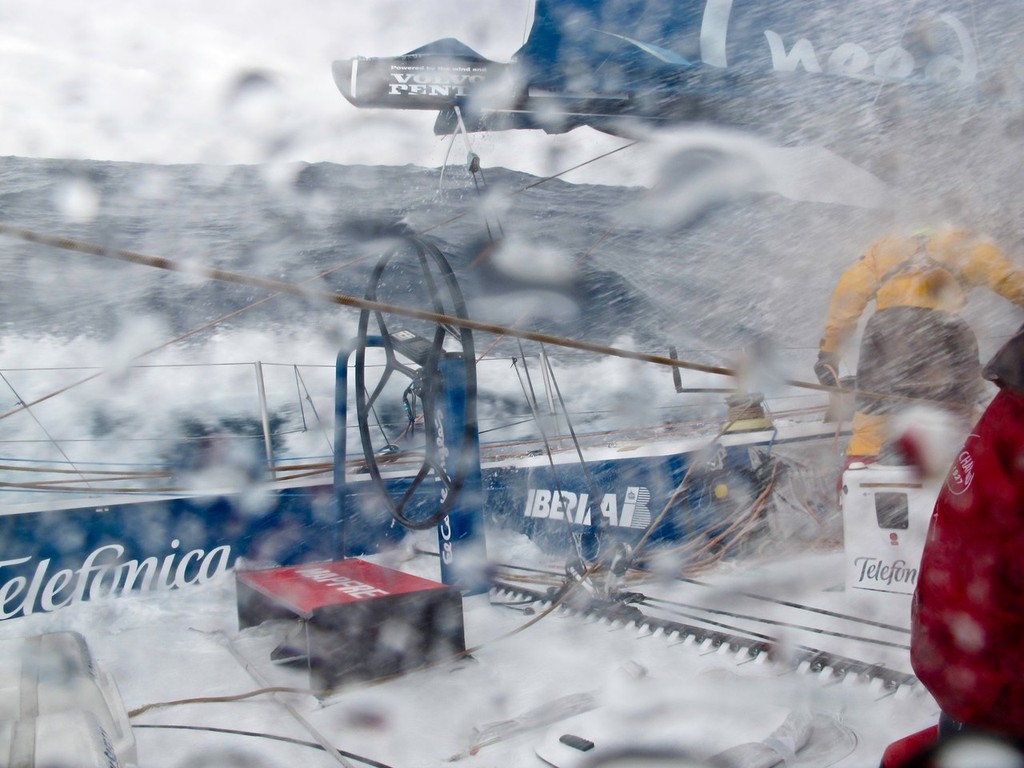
pixel 415 273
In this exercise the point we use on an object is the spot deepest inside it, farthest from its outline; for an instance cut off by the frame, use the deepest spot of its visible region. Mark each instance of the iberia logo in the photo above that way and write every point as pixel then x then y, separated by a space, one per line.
pixel 962 473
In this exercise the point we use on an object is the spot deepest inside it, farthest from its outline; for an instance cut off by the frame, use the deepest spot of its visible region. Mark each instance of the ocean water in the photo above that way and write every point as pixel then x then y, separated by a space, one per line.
pixel 737 279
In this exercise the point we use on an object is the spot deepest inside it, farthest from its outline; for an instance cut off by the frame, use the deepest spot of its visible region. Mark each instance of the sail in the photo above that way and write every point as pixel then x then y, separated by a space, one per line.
pixel 742 63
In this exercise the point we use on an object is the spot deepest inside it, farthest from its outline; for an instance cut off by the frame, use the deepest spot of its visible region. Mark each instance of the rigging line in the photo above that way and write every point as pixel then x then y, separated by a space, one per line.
pixel 462 129
pixel 312 405
pixel 157 366
pixel 775 623
pixel 590 250
pixel 63 483
pixel 298 394
pixel 483 208
pixel 176 339
pixel 76 471
pixel 49 437
pixel 256 734
pixel 784 603
pixel 70 487
pixel 531 399
pixel 581 257
pixel 473 162
pixel 595 492
pixel 798 606
pixel 505 426
pixel 444 165
pixel 346 300
pixel 576 167
pixel 538 182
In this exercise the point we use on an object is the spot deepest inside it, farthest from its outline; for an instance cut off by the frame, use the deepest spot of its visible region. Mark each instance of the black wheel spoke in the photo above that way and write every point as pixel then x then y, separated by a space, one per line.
pixel 384 379
pixel 414 485
pixel 441 471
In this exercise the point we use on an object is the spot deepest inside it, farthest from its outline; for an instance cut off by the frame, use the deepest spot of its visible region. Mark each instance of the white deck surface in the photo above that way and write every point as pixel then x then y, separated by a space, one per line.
pixel 520 684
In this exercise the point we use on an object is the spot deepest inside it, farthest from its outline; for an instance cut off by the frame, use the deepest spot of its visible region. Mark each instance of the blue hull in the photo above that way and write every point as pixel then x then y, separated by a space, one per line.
pixel 63 554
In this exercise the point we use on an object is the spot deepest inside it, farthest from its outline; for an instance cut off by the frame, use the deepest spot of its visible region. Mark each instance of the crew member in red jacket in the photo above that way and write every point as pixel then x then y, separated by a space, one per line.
pixel 968 615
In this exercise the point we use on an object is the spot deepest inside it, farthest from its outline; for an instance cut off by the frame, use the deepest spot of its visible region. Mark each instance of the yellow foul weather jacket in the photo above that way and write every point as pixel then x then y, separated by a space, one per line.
pixel 933 271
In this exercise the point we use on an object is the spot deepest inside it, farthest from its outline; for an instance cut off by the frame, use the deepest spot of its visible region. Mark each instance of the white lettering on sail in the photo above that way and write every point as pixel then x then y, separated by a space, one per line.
pixel 966 67
pixel 896 62
pixel 802 53
pixel 714 29
pixel 848 58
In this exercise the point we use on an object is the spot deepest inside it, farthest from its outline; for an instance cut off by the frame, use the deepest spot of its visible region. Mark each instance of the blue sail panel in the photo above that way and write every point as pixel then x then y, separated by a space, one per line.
pixel 748 64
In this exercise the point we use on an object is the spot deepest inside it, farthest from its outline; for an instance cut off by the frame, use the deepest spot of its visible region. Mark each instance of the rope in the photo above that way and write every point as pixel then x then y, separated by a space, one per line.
pixel 215 699
pixel 743 523
pixel 354 302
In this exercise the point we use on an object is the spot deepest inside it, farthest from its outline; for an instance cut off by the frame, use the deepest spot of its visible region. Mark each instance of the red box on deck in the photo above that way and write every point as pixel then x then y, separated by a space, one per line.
pixel 355 620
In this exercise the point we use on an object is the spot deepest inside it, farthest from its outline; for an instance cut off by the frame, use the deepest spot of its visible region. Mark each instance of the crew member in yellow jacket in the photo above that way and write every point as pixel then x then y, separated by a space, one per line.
pixel 915 346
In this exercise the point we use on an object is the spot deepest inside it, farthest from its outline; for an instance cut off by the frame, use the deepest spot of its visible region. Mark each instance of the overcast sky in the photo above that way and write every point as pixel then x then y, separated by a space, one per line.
pixel 150 81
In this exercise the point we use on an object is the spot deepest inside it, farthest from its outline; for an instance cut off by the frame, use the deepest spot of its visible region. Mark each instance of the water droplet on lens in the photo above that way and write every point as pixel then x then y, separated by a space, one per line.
pixel 77 200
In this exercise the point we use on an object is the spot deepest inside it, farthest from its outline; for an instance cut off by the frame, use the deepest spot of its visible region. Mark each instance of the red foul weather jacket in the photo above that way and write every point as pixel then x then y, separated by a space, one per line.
pixel 967 632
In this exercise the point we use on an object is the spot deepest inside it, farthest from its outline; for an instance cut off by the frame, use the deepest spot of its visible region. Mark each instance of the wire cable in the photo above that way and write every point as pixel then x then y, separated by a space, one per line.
pixel 258 735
